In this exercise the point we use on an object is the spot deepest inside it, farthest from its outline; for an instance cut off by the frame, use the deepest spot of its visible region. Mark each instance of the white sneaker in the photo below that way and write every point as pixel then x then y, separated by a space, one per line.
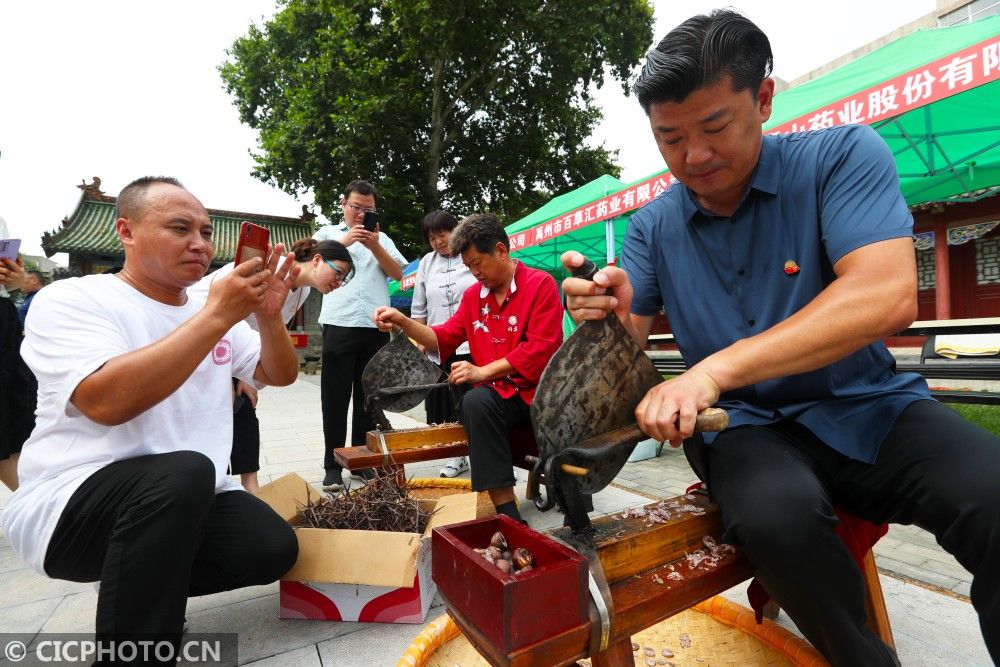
pixel 455 467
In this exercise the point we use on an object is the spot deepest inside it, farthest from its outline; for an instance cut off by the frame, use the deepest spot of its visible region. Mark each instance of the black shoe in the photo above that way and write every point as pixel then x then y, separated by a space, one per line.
pixel 366 474
pixel 333 477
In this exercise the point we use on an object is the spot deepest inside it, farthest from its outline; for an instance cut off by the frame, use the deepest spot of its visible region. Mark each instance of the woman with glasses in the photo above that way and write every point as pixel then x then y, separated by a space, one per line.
pixel 441 280
pixel 323 266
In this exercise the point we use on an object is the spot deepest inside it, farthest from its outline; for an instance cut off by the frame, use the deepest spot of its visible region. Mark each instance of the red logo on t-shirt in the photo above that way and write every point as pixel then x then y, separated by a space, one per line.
pixel 222 354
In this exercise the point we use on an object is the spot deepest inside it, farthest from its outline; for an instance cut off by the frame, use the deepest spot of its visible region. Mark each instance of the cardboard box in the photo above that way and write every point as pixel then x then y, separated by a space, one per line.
pixel 510 610
pixel 359 575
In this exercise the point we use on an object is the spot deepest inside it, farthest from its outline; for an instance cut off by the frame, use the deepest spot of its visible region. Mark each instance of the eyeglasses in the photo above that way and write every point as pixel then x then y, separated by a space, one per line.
pixel 360 209
pixel 341 276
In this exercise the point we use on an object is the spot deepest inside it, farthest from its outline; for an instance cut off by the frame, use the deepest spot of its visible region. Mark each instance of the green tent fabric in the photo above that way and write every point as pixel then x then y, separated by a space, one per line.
pixel 946 145
pixel 590 240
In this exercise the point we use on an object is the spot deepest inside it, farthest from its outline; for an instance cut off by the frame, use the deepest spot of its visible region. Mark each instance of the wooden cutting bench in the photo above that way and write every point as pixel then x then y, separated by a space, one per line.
pixel 393 449
pixel 398 447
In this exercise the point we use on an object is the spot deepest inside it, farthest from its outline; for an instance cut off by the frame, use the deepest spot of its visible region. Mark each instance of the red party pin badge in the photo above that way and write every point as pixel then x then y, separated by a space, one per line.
pixel 791 268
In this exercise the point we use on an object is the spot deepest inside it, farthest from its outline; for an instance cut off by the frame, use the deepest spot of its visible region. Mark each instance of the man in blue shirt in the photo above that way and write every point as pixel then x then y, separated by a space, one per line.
pixel 782 262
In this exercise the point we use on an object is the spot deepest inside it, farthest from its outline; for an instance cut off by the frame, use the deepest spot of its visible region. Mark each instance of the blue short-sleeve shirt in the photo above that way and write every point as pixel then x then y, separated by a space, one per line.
pixel 814 197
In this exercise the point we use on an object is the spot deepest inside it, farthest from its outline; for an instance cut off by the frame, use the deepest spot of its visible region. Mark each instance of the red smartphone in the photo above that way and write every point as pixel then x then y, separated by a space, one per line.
pixel 252 242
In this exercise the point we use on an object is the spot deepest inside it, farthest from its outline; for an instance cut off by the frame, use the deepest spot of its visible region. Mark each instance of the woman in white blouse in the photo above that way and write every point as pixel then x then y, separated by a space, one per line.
pixel 441 280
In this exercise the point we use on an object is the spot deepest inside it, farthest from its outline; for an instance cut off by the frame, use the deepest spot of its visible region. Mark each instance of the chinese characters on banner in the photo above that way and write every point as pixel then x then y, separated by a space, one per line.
pixel 951 75
pixel 610 206
pixel 408 281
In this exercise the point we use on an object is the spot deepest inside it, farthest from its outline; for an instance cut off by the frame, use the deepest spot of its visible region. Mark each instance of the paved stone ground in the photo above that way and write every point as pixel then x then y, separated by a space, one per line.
pixel 930 627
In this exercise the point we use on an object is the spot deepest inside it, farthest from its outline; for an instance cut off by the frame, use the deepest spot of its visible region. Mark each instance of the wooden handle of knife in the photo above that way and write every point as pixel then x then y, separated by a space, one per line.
pixel 712 420
pixel 708 420
pixel 587 270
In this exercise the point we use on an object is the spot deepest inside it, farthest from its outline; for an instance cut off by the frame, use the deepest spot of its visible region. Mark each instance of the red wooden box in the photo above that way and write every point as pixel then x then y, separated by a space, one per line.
pixel 510 610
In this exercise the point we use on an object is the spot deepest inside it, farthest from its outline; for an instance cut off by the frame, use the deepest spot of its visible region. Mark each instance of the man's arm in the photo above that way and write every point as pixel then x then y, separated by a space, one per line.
pixel 873 296
pixel 609 291
pixel 463 372
pixel 12 274
pixel 389 264
pixel 129 384
pixel 387 318
pixel 278 365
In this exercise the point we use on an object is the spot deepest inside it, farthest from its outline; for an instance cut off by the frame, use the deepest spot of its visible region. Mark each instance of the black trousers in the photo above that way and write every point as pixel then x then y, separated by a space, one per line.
pixel 245 456
pixel 18 388
pixel 487 417
pixel 776 487
pixel 346 352
pixel 154 532
pixel 440 403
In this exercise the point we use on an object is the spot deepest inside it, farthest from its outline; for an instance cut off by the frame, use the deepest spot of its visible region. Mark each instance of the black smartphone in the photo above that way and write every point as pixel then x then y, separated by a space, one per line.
pixel 371 220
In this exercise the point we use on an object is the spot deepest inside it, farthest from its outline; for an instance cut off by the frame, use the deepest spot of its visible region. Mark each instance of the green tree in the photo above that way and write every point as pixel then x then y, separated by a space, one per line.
pixel 445 103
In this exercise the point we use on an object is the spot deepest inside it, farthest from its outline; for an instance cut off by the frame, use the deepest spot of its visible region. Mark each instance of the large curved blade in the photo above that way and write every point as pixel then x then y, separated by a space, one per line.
pixel 591 387
pixel 399 364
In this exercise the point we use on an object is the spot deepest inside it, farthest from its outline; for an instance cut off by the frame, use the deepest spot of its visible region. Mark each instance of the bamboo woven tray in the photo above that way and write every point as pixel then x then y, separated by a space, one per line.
pixel 720 632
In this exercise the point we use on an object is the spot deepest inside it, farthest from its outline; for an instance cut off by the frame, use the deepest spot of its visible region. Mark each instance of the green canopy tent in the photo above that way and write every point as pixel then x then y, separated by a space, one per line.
pixel 590 239
pixel 933 95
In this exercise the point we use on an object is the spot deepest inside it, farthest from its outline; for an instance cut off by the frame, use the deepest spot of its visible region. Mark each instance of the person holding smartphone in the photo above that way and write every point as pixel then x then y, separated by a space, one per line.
pixel 123 479
pixel 17 384
pixel 323 266
pixel 350 338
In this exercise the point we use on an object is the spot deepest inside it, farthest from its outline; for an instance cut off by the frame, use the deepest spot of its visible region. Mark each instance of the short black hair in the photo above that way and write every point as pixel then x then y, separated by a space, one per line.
pixel 131 200
pixel 699 52
pixel 437 221
pixel 482 230
pixel 361 187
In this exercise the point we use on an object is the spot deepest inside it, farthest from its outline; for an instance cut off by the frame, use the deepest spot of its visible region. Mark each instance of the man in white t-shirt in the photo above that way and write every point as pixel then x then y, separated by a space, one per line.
pixel 350 338
pixel 124 478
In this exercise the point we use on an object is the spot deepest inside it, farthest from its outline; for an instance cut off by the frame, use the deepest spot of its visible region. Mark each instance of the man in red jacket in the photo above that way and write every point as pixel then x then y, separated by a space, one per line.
pixel 513 322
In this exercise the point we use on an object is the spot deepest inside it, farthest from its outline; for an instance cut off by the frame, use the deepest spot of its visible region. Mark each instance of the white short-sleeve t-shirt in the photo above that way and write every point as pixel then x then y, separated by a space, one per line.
pixel 76 326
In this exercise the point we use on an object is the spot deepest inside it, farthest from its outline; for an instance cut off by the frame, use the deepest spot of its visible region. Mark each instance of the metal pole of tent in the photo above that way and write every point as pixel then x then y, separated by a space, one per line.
pixel 609 239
